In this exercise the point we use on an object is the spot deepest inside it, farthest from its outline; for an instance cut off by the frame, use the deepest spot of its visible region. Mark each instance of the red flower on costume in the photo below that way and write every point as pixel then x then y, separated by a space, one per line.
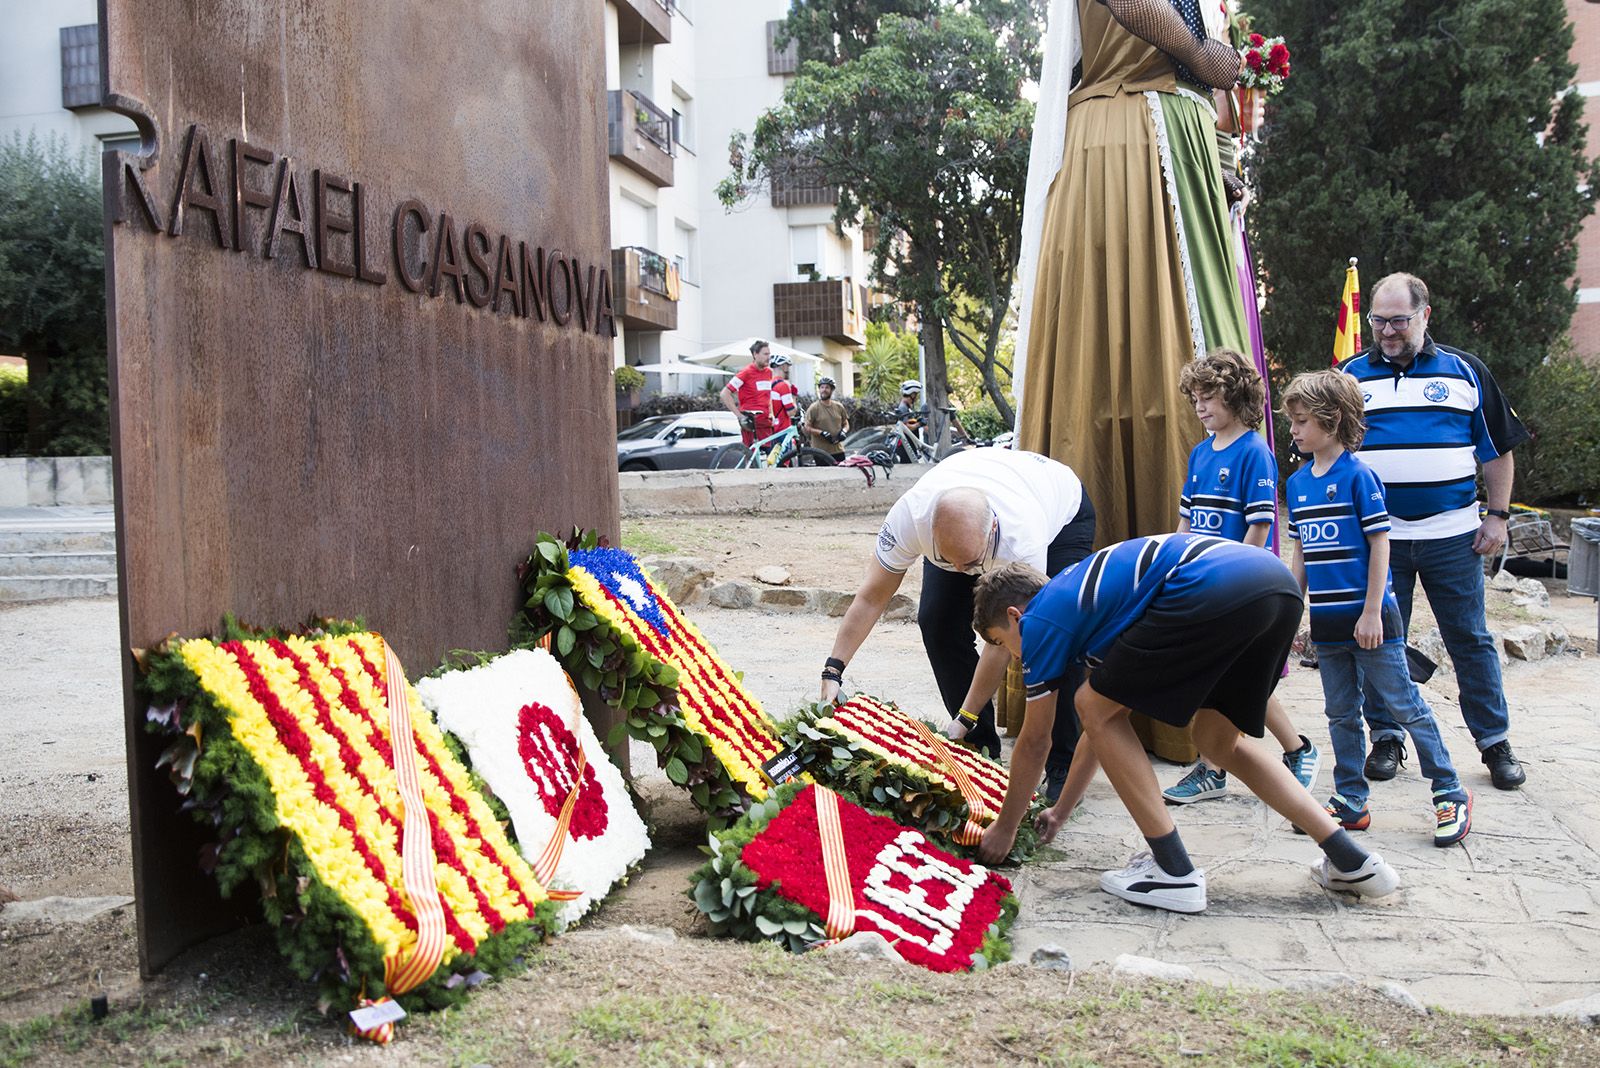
pixel 1257 40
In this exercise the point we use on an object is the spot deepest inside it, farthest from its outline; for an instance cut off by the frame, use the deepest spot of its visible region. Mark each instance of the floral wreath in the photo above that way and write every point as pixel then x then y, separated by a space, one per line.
pixel 519 722
pixel 880 756
pixel 620 636
pixel 282 744
pixel 806 866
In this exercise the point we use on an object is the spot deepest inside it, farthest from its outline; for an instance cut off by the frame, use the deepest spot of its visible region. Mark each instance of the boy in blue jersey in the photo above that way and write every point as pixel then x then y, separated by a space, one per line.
pixel 1231 491
pixel 1340 526
pixel 1184 628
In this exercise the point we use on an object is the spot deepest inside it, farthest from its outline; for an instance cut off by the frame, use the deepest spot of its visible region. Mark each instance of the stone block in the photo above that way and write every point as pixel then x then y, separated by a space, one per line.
pixel 900 607
pixel 13 482
pixel 1402 997
pixel 97 480
pixel 731 595
pixel 1431 645
pixel 41 481
pixel 865 945
pixel 1149 968
pixel 785 598
pixel 1556 639
pixel 1530 591
pixel 1051 958
pixel 773 575
pixel 69 481
pixel 833 602
pixel 683 578
pixel 1525 642
pixel 1504 581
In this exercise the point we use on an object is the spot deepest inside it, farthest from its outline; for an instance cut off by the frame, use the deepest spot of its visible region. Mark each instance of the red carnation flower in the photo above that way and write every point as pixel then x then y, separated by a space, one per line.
pixel 1257 40
pixel 1279 53
pixel 1253 60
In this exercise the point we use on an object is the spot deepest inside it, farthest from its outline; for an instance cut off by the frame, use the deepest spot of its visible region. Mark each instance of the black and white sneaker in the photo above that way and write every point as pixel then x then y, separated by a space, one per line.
pixel 1373 879
pixel 1143 882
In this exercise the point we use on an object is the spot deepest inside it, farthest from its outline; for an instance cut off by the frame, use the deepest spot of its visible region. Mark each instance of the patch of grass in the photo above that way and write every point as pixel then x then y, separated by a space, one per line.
pixel 668 1030
pixel 76 1031
pixel 883 1043
pixel 640 540
pixel 892 991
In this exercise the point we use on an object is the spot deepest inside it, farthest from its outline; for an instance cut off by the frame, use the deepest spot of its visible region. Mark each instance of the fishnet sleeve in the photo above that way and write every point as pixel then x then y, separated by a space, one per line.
pixel 1157 22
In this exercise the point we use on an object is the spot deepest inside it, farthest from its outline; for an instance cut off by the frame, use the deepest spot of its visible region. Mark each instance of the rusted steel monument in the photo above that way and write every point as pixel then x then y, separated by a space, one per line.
pixel 361 332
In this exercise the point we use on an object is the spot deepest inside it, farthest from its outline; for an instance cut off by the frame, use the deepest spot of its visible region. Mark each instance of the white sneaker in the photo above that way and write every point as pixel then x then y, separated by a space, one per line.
pixel 1143 882
pixel 1373 879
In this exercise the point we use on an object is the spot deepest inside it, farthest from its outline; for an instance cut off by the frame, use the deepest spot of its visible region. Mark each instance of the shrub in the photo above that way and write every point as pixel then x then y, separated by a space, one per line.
pixel 628 379
pixel 676 404
pixel 13 408
pixel 1561 406
pixel 983 421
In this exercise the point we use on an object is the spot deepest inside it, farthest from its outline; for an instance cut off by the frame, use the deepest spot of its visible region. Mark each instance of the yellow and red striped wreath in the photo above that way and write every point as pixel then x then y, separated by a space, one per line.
pixel 807 866
pixel 882 756
pixel 620 634
pixel 383 870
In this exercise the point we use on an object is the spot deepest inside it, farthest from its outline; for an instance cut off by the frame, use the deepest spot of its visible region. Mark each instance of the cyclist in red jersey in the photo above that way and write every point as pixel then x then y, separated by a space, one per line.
pixel 748 394
pixel 785 398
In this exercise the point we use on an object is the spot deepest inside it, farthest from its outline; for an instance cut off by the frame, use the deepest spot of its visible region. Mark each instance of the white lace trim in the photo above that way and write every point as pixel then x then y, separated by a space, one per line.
pixel 1164 149
pixel 1204 101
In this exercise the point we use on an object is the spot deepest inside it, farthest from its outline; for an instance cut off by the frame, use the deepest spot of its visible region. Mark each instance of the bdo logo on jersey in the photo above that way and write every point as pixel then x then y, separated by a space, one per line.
pixel 1437 392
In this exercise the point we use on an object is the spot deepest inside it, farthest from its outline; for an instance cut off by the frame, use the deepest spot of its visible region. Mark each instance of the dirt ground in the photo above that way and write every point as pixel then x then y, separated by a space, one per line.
pixel 612 994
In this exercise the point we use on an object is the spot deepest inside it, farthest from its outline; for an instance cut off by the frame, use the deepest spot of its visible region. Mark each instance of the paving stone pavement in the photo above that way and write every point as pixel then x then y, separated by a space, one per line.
pixel 1508 921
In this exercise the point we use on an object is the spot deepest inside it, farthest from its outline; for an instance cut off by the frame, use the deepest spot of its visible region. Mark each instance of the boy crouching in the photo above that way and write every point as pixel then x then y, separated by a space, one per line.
pixel 1181 627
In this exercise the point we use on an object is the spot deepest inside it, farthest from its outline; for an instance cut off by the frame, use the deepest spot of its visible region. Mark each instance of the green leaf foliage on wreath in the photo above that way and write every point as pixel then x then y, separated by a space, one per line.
pixel 611 664
pixel 902 793
pixel 725 890
pixel 228 793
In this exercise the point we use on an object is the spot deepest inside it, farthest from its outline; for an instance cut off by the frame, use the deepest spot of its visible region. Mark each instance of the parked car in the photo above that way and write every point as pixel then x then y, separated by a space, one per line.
pixel 673 442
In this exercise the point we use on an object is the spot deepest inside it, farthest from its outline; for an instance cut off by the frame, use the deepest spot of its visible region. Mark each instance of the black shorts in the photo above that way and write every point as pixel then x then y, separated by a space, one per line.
pixel 1168 670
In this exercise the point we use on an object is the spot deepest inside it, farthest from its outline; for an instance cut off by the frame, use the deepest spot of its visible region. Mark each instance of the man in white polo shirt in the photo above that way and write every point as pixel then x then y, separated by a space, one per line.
pixel 1434 414
pixel 973 512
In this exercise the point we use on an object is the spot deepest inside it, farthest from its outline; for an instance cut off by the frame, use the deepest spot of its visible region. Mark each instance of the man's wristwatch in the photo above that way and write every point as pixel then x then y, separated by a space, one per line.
pixel 1498 513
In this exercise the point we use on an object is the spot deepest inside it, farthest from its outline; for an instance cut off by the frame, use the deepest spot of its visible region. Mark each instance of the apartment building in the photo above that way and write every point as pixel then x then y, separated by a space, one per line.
pixel 50 76
pixel 688 274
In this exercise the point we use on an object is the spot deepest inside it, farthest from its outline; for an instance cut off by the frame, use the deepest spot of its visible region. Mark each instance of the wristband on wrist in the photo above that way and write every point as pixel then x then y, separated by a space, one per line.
pixel 833 663
pixel 967 717
pixel 1498 513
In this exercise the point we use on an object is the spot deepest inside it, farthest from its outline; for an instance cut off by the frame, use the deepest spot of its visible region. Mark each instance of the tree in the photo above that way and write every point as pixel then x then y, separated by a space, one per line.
pixel 52 291
pixel 1431 136
pixel 914 111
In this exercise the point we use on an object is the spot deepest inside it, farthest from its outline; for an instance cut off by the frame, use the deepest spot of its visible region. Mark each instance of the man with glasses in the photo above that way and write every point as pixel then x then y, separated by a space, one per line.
pixel 1434 414
pixel 971 513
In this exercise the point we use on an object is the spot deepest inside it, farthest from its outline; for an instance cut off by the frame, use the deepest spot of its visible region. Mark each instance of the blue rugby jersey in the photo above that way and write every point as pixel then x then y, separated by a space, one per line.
pixel 1332 515
pixel 1185 576
pixel 1230 490
pixel 1429 425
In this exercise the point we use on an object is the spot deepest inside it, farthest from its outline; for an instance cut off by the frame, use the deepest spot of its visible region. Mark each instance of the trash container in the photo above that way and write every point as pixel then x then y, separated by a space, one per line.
pixel 1583 559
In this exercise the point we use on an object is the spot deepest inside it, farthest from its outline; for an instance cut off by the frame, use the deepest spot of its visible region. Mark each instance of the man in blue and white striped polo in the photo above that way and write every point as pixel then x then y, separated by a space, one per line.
pixel 1434 414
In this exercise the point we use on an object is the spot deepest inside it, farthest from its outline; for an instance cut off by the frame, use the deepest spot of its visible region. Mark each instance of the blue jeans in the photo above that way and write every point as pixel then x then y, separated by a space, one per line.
pixel 1345 669
pixel 1452 576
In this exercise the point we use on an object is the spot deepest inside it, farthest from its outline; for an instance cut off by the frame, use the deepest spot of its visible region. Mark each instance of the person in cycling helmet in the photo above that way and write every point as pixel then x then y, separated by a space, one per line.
pixel 826 422
pixel 785 398
pixel 911 411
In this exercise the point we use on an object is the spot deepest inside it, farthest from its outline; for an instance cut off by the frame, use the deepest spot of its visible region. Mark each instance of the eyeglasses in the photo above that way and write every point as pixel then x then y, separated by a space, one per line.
pixel 1398 322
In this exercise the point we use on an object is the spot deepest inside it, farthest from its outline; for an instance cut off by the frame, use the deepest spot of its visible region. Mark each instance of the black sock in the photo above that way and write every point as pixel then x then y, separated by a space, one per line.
pixel 1170 854
pixel 1305 743
pixel 1343 851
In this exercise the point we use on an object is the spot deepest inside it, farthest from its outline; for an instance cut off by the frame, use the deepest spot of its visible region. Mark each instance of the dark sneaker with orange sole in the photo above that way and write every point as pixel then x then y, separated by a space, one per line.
pixel 1454 820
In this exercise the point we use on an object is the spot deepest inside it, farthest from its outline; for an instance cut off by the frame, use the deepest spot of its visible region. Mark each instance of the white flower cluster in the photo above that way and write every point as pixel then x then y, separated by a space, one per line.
pixel 919 920
pixel 482 706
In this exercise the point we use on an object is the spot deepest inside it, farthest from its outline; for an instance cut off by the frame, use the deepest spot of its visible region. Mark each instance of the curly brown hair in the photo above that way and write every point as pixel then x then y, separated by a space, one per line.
pixel 1225 373
pixel 1334 400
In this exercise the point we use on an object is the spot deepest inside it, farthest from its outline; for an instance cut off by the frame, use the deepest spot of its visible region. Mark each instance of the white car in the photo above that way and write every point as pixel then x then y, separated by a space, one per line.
pixel 674 442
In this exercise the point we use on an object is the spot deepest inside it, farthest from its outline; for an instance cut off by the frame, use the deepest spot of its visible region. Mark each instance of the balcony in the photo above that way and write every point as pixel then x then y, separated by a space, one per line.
pixel 644 21
pixel 833 309
pixel 785 60
pixel 797 184
pixel 639 135
pixel 644 289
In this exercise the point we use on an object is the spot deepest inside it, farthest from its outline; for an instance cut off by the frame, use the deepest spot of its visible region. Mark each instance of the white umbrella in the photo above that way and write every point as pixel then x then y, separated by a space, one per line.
pixel 678 367
pixel 736 354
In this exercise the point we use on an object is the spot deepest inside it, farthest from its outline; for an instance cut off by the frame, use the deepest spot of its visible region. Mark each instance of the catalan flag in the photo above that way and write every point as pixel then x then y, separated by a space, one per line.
pixel 1347 334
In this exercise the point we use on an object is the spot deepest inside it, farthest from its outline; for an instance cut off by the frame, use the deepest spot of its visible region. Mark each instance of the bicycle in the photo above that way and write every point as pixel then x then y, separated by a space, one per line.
pixel 783 449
